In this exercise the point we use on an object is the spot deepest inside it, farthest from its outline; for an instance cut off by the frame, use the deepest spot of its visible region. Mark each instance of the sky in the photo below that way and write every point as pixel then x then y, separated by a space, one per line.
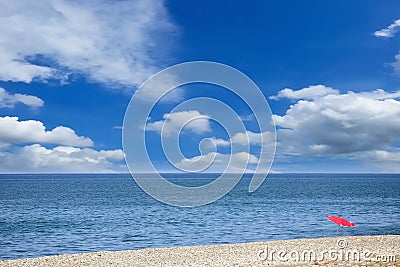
pixel 330 71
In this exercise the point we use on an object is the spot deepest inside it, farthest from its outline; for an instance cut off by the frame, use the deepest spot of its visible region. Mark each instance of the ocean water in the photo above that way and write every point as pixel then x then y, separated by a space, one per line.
pixel 56 214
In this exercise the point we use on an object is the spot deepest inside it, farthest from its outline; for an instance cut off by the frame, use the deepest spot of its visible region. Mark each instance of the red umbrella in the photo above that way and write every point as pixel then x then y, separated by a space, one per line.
pixel 340 221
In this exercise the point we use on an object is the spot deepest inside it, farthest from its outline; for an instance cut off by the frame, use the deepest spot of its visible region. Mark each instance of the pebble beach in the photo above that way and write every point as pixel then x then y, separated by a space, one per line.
pixel 332 251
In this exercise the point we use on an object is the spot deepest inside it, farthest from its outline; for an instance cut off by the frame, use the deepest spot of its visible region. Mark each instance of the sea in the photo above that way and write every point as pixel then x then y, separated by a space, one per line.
pixel 50 214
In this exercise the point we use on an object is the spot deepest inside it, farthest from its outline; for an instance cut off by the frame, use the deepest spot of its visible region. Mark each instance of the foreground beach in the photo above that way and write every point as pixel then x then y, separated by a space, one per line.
pixel 334 251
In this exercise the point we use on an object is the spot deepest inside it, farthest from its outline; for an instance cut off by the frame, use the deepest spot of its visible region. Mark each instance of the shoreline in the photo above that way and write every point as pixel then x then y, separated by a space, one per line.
pixel 382 250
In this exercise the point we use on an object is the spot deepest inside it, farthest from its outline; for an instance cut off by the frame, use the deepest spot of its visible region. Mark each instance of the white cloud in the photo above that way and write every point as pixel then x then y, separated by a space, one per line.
pixel 219 162
pixel 8 100
pixel 265 138
pixel 384 160
pixel 191 120
pixel 18 157
pixel 248 117
pixel 382 156
pixel 379 94
pixel 157 85
pixel 18 132
pixel 246 138
pixel 116 42
pixel 390 31
pixel 396 64
pixel 38 159
pixel 219 141
pixel 310 92
pixel 344 124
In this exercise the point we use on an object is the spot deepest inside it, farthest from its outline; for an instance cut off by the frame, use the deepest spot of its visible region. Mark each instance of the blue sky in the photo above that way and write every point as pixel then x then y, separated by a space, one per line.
pixel 69 69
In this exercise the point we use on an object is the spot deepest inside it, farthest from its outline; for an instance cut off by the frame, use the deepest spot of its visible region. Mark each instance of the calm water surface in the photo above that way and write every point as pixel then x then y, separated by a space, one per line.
pixel 56 214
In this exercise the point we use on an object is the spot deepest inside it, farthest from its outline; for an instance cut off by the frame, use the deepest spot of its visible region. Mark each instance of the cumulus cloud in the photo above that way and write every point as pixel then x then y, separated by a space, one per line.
pixel 38 159
pixel 246 138
pixel 248 117
pixel 382 156
pixel 157 85
pixel 116 42
pixel 14 131
pixel 389 31
pixel 386 160
pixel 237 162
pixel 396 64
pixel 341 124
pixel 21 150
pixel 380 94
pixel 249 137
pixel 173 123
pixel 219 141
pixel 310 92
pixel 8 100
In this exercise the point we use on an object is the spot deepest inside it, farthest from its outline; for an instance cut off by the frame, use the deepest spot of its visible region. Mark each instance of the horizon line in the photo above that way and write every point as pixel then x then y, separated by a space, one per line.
pixel 189 173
